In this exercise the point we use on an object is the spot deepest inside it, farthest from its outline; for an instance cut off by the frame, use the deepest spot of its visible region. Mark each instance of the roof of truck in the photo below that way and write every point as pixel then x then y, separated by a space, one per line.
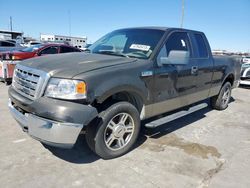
pixel 159 28
pixel 150 27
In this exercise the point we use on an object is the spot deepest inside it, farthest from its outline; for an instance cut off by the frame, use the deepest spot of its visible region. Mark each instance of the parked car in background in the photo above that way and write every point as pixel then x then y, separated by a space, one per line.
pixel 32 43
pixel 246 59
pixel 245 72
pixel 85 48
pixel 9 45
pixel 8 60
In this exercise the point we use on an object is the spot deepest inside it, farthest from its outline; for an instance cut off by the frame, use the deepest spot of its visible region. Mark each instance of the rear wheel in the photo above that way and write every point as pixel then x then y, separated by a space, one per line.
pixel 220 101
pixel 115 132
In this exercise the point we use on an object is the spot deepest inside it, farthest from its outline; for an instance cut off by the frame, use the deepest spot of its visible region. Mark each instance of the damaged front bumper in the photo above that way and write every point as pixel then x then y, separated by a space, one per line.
pixel 53 133
pixel 53 122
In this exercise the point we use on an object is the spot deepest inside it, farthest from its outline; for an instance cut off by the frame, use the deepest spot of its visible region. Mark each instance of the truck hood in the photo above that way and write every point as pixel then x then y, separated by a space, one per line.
pixel 69 65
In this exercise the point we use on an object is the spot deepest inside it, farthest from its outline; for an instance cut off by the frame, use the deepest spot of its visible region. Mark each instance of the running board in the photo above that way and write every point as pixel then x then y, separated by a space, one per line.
pixel 176 115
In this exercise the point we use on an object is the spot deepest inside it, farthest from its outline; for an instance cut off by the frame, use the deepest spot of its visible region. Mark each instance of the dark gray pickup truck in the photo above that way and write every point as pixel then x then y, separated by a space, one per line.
pixel 127 76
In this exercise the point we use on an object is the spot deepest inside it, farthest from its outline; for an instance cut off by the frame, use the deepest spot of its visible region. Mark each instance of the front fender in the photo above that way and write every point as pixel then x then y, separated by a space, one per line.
pixel 102 96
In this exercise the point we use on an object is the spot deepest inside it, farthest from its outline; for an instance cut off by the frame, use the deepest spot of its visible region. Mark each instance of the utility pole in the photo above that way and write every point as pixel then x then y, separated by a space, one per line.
pixel 182 14
pixel 69 15
pixel 10 23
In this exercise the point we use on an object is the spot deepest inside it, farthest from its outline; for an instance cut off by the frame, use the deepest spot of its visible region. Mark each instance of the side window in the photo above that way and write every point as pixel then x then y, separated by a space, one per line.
pixel 49 50
pixel 65 49
pixel 202 49
pixel 7 44
pixel 178 41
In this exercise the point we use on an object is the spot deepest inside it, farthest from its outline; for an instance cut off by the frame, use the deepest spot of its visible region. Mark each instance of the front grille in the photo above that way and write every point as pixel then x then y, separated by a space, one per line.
pixel 29 82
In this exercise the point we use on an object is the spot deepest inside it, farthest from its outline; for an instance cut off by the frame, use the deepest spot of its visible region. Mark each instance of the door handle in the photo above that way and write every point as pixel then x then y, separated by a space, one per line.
pixel 194 70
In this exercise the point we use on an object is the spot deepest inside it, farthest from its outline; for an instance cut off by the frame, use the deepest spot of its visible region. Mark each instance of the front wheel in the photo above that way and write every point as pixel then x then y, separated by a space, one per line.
pixel 220 101
pixel 115 131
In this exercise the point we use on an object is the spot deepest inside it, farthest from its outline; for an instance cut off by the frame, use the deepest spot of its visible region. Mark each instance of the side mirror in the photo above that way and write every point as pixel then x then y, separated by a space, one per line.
pixel 175 57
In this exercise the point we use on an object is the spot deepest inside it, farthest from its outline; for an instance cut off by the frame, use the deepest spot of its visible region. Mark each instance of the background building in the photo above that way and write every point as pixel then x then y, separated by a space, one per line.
pixel 78 42
pixel 8 35
pixel 28 39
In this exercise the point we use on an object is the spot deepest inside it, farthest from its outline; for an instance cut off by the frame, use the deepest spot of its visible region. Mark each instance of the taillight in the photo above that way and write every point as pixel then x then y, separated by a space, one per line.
pixel 14 57
pixel 10 57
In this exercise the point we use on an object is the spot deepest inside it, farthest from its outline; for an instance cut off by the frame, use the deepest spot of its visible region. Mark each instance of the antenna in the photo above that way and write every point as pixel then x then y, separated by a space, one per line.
pixel 182 13
pixel 69 15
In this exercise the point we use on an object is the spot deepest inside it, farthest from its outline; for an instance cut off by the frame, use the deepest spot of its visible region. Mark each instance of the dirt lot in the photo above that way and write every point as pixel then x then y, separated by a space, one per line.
pixel 207 148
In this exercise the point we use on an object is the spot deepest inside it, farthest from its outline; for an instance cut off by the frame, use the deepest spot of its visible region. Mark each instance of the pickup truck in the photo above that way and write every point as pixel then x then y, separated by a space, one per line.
pixel 127 76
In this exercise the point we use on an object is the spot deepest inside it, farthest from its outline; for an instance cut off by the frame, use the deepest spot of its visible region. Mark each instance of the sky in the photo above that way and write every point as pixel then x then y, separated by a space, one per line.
pixel 226 23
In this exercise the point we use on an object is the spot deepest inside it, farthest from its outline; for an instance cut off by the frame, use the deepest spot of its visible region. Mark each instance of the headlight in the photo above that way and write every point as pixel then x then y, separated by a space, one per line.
pixel 66 89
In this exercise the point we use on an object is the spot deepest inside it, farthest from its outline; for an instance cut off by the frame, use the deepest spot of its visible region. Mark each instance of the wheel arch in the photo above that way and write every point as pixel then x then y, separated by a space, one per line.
pixel 229 78
pixel 128 94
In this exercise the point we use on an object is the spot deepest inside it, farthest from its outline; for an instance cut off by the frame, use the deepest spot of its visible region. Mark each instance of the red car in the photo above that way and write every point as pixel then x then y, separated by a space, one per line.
pixel 8 60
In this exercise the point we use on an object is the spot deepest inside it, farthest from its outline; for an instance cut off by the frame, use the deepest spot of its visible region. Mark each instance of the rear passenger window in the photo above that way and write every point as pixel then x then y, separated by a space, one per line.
pixel 201 45
pixel 65 49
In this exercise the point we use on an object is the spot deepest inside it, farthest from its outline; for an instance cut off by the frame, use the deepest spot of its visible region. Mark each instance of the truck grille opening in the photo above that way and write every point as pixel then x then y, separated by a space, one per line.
pixel 29 82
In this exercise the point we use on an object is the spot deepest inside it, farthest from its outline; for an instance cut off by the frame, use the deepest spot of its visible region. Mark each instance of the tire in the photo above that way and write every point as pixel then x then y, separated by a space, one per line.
pixel 115 131
pixel 220 101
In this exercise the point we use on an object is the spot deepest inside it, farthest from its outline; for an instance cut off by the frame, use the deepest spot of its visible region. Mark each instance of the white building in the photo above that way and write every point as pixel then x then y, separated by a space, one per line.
pixel 8 35
pixel 78 42
pixel 219 52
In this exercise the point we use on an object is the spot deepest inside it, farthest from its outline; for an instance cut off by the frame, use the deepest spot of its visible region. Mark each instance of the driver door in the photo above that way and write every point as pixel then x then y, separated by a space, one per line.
pixel 174 84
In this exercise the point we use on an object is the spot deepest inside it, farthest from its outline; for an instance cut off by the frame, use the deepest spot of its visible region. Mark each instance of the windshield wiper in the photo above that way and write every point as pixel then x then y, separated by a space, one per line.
pixel 109 52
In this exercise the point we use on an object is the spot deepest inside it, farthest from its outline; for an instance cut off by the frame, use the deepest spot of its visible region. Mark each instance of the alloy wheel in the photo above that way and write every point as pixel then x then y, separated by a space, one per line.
pixel 119 131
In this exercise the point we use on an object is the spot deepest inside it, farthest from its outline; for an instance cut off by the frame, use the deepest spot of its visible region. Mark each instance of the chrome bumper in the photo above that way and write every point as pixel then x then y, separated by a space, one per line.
pixel 59 134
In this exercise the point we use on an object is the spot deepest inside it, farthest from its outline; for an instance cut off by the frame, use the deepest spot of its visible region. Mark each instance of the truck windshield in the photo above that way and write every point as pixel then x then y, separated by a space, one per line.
pixel 32 48
pixel 135 43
